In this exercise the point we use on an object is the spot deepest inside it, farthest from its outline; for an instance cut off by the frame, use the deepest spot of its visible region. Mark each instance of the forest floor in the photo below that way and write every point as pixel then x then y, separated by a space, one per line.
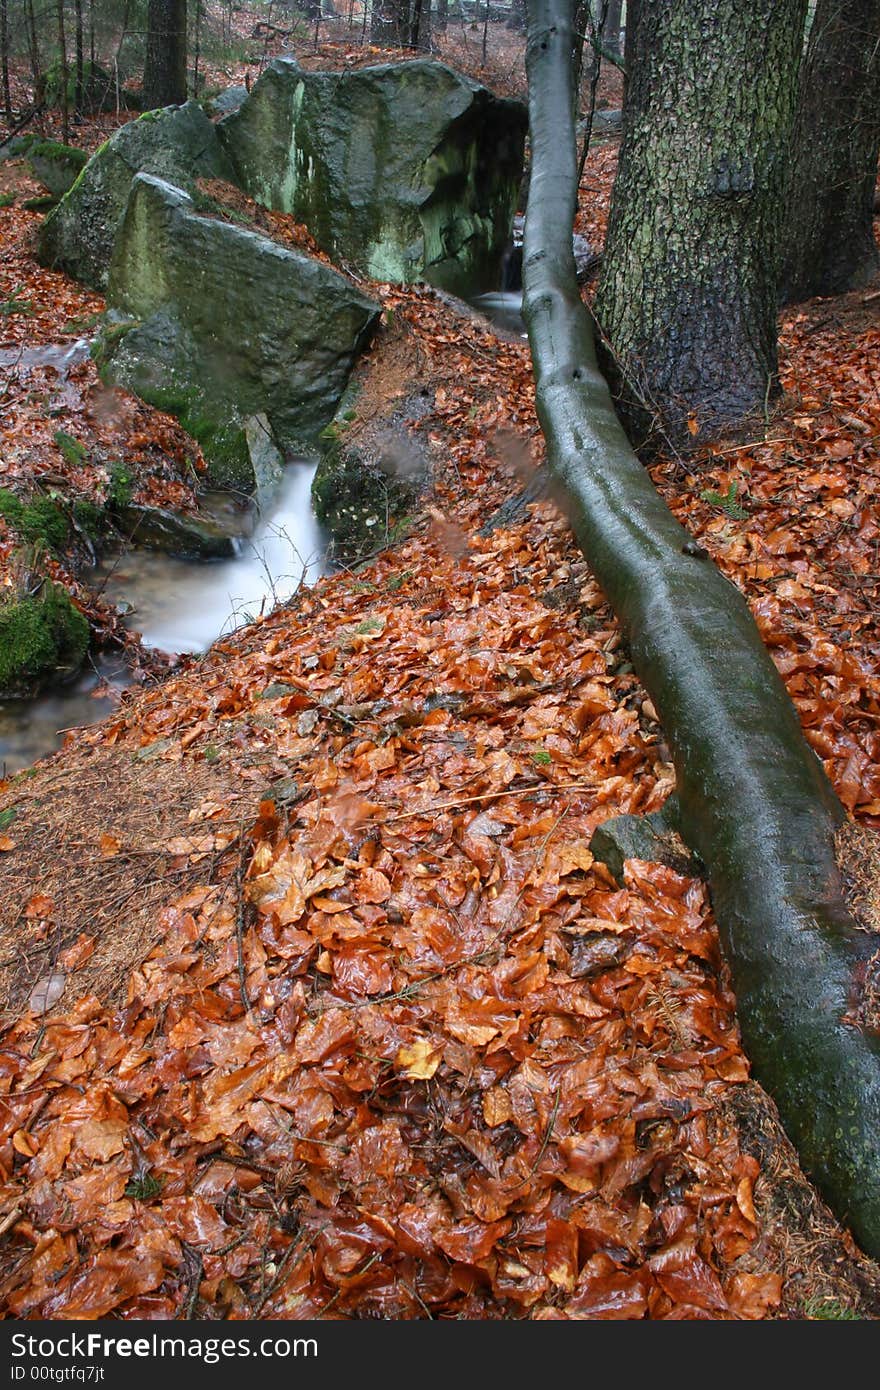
pixel 316 1004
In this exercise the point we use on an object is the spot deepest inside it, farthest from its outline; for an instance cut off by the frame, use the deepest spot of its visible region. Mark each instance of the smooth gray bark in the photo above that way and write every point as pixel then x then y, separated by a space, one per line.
pixel 755 802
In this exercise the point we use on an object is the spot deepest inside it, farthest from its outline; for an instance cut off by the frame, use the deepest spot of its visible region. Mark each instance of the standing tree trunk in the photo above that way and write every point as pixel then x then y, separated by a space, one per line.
pixel 401 23
pixel 611 29
pixel 754 801
pixel 33 43
pixel 78 40
pixel 165 67
pixel 65 76
pixel 4 59
pixel 829 244
pixel 688 295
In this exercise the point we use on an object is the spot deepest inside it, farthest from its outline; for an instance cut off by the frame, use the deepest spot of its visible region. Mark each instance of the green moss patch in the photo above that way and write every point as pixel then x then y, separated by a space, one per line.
pixel 39 521
pixel 42 637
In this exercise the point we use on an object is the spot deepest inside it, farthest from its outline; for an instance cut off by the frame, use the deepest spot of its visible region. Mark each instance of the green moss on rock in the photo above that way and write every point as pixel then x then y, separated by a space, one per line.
pixel 42 638
pixel 407 170
pixel 39 521
pixel 178 143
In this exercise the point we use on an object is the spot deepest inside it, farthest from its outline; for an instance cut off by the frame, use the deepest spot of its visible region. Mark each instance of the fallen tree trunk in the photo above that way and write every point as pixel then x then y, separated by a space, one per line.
pixel 755 802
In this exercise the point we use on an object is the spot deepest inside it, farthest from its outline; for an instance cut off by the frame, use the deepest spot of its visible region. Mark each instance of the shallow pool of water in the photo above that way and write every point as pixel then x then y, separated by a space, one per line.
pixel 504 309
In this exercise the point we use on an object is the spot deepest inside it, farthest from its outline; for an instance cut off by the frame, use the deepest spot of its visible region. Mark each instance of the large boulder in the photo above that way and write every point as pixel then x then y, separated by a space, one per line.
pixel 248 343
pixel 178 143
pixel 407 171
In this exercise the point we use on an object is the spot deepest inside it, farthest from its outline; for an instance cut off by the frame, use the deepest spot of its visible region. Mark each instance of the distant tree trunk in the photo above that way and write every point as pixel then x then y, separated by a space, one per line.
pixel 629 43
pixel 517 18
pixel 401 24
pixel 420 25
pixel 4 59
pixel 33 43
pixel 78 40
pixel 198 46
pixel 829 244
pixel 688 295
pixel 165 67
pixel 441 17
pixel 753 799
pixel 611 31
pixel 65 75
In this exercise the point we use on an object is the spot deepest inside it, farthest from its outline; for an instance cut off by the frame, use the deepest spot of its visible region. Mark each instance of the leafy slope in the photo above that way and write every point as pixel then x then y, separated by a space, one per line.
pixel 387 1042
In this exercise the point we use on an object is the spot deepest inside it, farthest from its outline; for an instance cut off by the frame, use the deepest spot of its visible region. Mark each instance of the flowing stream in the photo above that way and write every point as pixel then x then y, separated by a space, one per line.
pixel 178 606
pixel 185 605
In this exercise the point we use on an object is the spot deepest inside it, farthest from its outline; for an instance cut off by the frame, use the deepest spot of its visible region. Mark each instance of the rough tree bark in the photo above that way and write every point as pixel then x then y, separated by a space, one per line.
pixel 165 66
pixel 754 800
pixel 4 59
pixel 65 75
pixel 688 294
pixel 829 243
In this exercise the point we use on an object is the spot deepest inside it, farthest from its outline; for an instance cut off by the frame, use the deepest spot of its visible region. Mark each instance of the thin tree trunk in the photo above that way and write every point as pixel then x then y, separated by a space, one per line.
pixel 34 54
pixel 198 46
pixel 611 30
pixel 688 296
pixel 78 40
pixel 629 43
pixel 165 67
pixel 754 801
pixel 65 75
pixel 4 58
pixel 829 241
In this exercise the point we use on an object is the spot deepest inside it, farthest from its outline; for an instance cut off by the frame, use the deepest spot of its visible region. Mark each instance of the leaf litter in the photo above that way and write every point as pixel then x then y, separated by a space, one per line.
pixel 379 1038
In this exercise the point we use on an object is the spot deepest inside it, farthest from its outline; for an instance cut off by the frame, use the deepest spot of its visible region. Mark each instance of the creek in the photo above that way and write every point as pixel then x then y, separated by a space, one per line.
pixel 182 605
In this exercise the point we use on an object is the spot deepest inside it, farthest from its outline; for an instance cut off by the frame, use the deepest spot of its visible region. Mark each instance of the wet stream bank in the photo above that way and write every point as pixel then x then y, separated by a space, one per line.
pixel 183 606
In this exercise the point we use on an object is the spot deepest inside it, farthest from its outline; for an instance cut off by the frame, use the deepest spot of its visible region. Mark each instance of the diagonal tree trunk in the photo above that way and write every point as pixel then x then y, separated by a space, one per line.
pixel 755 803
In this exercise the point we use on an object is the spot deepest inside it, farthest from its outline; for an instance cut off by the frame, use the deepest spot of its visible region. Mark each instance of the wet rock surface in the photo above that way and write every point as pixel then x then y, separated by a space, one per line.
pixel 178 143
pixel 227 327
pixel 408 171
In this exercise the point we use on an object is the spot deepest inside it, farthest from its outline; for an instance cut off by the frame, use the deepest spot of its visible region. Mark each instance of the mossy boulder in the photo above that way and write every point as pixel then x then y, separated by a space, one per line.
pixel 194 537
pixel 408 171
pixel 56 166
pixel 43 638
pixel 178 143
pixel 248 343
pixel 370 477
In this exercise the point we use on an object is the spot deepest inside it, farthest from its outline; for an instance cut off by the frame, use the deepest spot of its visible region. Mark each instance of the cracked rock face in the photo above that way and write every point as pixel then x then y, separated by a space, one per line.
pixel 227 330
pixel 405 171
pixel 178 143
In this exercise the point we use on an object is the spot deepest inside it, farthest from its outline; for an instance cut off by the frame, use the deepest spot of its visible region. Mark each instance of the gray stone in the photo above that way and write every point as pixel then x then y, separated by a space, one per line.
pixel 227 101
pixel 178 533
pixel 56 166
pixel 178 143
pixel 408 171
pixel 653 837
pixel 248 343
